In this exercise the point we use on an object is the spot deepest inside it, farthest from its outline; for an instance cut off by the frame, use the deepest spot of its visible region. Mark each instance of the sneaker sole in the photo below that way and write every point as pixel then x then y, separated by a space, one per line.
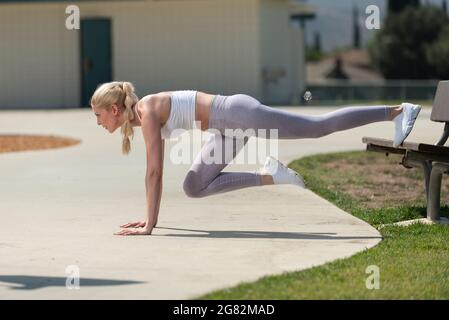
pixel 301 182
pixel 279 164
pixel 409 129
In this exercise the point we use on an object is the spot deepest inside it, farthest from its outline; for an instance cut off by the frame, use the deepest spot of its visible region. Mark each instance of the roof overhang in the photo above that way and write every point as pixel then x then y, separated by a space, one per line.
pixel 301 10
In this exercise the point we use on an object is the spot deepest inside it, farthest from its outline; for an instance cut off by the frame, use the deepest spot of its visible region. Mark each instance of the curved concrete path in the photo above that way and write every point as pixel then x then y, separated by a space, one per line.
pixel 60 208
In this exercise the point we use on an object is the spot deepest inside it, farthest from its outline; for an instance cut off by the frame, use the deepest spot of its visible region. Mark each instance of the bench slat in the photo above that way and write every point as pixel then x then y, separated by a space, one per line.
pixel 389 143
pixel 419 147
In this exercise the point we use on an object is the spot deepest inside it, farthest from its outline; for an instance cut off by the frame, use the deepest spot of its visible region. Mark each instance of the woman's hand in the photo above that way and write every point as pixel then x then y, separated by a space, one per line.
pixel 134 232
pixel 141 229
pixel 138 224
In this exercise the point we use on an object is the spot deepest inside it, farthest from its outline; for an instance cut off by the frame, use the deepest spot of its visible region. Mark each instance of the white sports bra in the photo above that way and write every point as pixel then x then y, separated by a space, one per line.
pixel 182 114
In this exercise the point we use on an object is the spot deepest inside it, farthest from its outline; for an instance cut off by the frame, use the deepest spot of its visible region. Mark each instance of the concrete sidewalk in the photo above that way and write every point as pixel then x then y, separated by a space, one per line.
pixel 61 207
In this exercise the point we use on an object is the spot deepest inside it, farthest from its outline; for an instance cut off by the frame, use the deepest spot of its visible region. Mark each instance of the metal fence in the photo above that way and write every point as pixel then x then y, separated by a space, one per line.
pixel 330 92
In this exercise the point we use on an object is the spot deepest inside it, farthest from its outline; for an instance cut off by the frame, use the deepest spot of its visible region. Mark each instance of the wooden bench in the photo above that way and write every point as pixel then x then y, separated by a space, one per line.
pixel 433 159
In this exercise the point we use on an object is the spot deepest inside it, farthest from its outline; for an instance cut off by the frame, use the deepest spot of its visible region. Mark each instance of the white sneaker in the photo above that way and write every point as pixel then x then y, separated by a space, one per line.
pixel 281 174
pixel 404 122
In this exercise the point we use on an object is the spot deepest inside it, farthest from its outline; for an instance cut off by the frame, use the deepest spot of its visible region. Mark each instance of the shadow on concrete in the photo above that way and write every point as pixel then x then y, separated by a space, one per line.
pixel 260 235
pixel 21 282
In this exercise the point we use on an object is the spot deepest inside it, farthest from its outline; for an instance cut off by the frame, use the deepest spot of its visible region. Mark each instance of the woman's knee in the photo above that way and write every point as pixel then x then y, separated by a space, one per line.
pixel 192 185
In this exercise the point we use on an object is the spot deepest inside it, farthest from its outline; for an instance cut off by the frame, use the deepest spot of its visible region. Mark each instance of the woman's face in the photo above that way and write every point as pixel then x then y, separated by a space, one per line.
pixel 109 119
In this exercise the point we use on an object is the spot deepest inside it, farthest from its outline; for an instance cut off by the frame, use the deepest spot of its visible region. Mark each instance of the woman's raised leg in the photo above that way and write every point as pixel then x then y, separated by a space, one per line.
pixel 245 112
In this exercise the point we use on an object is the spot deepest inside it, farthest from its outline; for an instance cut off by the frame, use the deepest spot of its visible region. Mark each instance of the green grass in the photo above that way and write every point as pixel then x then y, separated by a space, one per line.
pixel 413 261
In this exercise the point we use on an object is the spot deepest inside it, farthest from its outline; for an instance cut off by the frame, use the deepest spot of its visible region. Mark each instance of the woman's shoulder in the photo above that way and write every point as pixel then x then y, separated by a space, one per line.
pixel 155 97
pixel 153 103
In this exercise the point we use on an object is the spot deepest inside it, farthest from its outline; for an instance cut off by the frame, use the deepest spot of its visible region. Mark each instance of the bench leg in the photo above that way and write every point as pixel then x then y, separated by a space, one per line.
pixel 433 203
pixel 426 165
pixel 427 168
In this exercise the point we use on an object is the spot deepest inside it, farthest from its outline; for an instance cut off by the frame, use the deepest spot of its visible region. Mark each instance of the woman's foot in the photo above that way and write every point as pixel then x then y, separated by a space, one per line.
pixel 404 122
pixel 394 111
pixel 280 173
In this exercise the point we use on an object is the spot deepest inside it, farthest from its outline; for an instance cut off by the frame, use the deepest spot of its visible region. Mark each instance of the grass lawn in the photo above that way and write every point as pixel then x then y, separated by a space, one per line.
pixel 413 261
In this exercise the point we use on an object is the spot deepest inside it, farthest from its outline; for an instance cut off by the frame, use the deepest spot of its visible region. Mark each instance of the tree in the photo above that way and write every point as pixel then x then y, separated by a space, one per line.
pixel 399 48
pixel 437 55
pixel 356 27
pixel 337 71
pixel 317 41
pixel 396 6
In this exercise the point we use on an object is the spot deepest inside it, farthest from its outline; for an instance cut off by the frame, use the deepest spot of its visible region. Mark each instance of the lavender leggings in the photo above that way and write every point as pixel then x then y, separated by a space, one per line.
pixel 245 112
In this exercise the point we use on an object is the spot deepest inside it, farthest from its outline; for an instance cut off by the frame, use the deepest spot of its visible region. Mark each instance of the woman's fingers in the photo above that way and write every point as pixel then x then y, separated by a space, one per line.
pixel 128 225
pixel 125 225
pixel 132 232
pixel 120 233
pixel 137 224
pixel 124 232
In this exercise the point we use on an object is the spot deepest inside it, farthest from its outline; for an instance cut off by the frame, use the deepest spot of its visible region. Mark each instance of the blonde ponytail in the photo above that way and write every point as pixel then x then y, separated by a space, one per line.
pixel 122 94
pixel 129 101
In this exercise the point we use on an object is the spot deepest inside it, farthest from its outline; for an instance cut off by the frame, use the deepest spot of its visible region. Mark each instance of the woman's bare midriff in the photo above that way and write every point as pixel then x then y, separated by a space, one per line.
pixel 202 108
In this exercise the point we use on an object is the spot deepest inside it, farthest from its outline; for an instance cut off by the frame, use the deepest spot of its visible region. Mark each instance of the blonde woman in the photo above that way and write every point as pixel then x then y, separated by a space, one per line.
pixel 116 105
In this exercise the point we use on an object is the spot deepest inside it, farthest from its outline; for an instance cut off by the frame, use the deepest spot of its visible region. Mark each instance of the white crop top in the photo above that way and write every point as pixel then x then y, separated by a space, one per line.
pixel 182 113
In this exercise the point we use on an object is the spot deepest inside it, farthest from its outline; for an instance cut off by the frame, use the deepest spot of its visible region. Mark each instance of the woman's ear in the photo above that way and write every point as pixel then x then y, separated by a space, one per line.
pixel 115 109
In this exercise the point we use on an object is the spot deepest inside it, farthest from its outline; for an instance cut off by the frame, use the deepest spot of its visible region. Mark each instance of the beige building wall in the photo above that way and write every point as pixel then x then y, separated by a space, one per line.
pixel 38 60
pixel 281 52
pixel 217 46
pixel 298 66
pixel 203 45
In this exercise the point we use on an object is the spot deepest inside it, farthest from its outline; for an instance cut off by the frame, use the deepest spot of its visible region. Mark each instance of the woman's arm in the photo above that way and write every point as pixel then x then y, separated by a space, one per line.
pixel 151 130
pixel 160 194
